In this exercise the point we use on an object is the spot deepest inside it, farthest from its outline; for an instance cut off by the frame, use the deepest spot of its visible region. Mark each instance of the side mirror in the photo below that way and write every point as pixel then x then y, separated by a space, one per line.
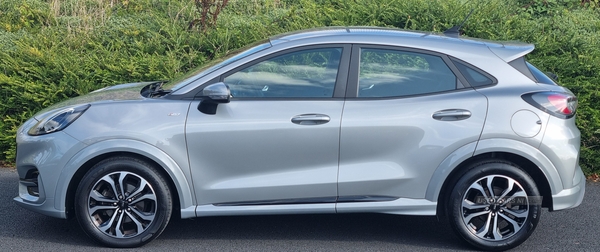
pixel 212 95
pixel 218 92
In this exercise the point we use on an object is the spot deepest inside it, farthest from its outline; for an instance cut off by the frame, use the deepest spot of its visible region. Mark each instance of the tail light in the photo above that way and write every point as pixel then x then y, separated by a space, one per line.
pixel 561 105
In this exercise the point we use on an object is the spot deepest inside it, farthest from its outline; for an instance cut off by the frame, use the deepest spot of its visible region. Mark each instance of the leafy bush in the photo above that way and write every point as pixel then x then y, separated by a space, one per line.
pixel 51 50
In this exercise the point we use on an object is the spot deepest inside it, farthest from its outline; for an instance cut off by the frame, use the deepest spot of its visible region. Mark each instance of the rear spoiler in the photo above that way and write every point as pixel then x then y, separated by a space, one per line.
pixel 510 51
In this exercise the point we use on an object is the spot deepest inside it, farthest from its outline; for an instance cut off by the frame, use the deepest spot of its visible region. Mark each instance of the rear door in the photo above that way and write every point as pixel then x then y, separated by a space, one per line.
pixel 406 112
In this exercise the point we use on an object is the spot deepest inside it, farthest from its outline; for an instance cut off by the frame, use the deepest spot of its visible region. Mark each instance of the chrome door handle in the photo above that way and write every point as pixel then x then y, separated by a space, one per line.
pixel 311 119
pixel 451 114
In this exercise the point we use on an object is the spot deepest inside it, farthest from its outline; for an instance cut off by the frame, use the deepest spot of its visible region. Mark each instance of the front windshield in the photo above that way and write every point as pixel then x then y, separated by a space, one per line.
pixel 215 64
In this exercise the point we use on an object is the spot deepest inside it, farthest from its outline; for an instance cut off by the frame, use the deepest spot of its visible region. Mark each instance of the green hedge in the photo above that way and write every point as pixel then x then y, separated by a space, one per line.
pixel 52 50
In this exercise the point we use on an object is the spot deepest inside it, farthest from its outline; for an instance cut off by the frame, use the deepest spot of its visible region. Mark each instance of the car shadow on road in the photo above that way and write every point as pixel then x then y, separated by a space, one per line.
pixel 297 232
pixel 352 229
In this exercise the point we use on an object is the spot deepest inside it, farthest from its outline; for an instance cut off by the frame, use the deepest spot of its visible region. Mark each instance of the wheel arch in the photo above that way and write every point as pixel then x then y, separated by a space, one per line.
pixel 529 167
pixel 82 162
pixel 530 159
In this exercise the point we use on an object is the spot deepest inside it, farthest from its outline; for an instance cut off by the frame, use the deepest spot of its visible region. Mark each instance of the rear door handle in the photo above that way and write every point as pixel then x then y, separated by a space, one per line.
pixel 451 114
pixel 311 119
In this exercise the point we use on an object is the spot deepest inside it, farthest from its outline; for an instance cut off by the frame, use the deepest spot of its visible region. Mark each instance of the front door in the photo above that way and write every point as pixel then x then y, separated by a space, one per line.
pixel 277 141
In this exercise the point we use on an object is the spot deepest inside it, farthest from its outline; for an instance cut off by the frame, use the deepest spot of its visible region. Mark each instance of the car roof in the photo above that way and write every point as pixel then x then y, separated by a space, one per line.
pixel 506 50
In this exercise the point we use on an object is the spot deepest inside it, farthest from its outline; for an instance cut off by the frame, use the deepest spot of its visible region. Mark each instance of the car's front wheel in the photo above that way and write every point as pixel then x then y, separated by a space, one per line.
pixel 495 205
pixel 123 202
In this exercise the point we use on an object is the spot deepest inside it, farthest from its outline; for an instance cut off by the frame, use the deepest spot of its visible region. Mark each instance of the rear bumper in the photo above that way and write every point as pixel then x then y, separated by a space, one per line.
pixel 570 197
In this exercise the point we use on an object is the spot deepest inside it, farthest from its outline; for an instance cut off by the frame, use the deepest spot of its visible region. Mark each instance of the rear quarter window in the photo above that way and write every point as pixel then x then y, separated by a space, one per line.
pixel 531 71
pixel 540 76
pixel 475 77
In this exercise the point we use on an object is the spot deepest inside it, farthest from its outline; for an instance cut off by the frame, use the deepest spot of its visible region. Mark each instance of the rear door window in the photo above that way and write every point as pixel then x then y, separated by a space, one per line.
pixel 392 73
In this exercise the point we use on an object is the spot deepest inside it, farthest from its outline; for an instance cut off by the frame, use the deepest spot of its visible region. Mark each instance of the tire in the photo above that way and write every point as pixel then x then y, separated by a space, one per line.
pixel 499 220
pixel 123 218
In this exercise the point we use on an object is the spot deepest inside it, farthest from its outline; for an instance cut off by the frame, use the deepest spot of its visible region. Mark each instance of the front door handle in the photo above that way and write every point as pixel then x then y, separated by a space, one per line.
pixel 311 119
pixel 451 114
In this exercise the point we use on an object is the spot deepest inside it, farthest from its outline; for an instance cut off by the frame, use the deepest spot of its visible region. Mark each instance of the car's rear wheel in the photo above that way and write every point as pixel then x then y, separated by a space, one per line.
pixel 495 205
pixel 123 202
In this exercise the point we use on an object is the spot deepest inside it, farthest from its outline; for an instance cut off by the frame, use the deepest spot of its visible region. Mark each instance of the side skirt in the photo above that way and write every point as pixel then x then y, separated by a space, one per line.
pixel 398 206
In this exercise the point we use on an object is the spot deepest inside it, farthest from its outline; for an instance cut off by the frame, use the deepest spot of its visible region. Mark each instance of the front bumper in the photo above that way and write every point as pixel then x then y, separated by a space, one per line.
pixel 45 208
pixel 40 161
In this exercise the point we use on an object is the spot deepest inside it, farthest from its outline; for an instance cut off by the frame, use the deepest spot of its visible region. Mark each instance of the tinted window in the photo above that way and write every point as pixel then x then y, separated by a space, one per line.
pixel 474 77
pixel 307 73
pixel 214 65
pixel 522 67
pixel 539 75
pixel 388 73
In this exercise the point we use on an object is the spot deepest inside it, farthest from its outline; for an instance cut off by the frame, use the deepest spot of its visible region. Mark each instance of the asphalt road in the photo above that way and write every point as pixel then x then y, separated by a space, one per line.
pixel 21 230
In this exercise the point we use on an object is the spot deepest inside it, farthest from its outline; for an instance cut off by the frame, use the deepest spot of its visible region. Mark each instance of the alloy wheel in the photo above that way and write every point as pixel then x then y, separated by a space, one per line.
pixel 495 207
pixel 122 204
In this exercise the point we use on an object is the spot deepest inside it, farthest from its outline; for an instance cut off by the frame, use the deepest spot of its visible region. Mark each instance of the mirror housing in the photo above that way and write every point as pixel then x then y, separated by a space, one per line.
pixel 212 95
pixel 218 92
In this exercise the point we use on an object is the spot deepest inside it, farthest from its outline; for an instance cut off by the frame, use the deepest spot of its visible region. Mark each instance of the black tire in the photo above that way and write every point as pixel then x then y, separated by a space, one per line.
pixel 471 207
pixel 144 207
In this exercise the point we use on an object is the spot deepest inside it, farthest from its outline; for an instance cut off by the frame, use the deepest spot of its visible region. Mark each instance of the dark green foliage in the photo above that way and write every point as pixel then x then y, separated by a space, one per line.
pixel 51 50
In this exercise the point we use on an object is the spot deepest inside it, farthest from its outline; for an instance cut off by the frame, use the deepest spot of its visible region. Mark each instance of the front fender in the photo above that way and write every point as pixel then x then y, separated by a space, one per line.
pixel 178 172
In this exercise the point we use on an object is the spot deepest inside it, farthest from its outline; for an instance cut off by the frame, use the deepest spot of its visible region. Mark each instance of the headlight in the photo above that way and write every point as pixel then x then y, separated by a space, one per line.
pixel 57 121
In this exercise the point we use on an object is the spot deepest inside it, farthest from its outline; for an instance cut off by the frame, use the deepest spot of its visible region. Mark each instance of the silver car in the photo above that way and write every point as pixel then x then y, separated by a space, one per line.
pixel 338 120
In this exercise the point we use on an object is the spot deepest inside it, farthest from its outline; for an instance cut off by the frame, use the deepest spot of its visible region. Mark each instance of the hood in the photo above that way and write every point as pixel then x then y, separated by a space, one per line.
pixel 128 91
